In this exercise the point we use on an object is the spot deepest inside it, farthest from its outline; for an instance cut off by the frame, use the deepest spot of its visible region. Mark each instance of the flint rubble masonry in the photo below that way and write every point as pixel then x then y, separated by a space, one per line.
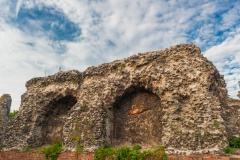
pixel 175 98
pixel 5 106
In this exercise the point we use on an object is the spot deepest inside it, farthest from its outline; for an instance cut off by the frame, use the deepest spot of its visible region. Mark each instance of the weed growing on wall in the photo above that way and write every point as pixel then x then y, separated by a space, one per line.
pixel 84 108
pixel 228 150
pixel 123 65
pixel 133 153
pixel 79 149
pixel 52 152
pixel 216 124
pixel 12 114
pixel 26 149
pixel 234 142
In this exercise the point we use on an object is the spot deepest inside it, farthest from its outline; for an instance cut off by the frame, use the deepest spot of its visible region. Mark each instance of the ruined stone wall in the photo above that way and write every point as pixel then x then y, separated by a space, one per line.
pixel 233 118
pixel 176 90
pixel 41 109
pixel 5 106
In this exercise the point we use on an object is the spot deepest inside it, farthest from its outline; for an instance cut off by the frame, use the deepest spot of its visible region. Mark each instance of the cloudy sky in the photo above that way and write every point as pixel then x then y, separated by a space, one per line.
pixel 39 35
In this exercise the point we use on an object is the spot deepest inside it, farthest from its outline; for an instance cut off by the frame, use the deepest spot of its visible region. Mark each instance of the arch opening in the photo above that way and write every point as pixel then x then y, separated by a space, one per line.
pixel 137 118
pixel 56 114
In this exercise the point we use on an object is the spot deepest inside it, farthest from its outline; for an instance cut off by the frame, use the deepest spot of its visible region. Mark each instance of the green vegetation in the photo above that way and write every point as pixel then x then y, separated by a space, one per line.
pixel 228 150
pixel 80 135
pixel 79 149
pixel 206 132
pixel 123 64
pixel 26 149
pixel 234 142
pixel 52 152
pixel 179 133
pixel 12 114
pixel 128 153
pixel 137 147
pixel 84 108
pixel 104 152
pixel 1 147
pixel 216 124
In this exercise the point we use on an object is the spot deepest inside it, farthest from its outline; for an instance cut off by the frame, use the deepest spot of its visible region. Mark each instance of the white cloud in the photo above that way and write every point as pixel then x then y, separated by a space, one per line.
pixel 19 3
pixel 130 26
pixel 226 57
pixel 19 61
pixel 231 17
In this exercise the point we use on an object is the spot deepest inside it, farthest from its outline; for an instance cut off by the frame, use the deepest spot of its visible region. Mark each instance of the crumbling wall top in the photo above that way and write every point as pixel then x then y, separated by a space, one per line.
pixel 5 103
pixel 61 77
pixel 5 106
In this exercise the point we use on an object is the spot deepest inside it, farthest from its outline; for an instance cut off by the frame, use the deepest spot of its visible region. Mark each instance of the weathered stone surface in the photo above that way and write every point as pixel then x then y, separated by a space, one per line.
pixel 5 106
pixel 175 98
pixel 233 118
pixel 44 110
pixel 136 119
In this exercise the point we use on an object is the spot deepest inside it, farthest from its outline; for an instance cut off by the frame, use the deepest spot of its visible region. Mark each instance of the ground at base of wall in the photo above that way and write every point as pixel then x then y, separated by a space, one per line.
pixel 204 157
pixel 16 155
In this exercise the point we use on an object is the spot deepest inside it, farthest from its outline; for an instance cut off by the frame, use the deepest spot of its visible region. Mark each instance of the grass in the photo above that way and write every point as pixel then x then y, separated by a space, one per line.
pixel 104 152
pixel 26 149
pixel 128 153
pixel 123 64
pixel 79 149
pixel 234 142
pixel 228 150
pixel 52 152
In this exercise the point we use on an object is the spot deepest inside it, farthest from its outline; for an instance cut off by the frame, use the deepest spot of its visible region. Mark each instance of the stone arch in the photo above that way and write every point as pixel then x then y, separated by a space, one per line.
pixel 55 118
pixel 136 118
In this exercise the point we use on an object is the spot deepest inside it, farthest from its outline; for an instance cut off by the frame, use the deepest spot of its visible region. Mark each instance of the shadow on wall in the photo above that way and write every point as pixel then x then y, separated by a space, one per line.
pixel 137 118
pixel 56 114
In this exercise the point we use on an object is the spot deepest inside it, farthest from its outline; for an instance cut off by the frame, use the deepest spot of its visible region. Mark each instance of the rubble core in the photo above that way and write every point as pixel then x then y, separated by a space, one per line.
pixel 175 98
pixel 5 106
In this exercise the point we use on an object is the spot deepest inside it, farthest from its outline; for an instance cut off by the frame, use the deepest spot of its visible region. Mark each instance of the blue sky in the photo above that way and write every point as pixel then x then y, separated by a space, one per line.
pixel 39 35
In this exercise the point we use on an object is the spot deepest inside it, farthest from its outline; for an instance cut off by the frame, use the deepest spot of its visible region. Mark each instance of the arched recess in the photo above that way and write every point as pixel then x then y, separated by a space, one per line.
pixel 55 117
pixel 137 118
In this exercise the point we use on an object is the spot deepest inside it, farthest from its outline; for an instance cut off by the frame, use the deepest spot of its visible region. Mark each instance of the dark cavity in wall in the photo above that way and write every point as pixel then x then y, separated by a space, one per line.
pixel 56 115
pixel 137 118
